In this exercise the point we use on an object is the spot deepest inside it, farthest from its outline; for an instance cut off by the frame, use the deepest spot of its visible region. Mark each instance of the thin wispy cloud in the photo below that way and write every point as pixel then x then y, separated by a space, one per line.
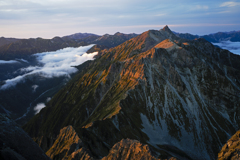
pixel 230 4
pixel 54 64
pixel 8 62
pixel 34 87
pixel 49 18
pixel 200 7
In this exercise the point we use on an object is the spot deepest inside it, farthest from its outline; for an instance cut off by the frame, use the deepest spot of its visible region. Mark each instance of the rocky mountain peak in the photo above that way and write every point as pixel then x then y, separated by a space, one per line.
pixel 118 34
pixel 166 28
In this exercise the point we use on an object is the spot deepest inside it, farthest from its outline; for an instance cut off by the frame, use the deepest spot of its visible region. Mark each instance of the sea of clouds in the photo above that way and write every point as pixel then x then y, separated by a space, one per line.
pixel 52 64
pixel 233 47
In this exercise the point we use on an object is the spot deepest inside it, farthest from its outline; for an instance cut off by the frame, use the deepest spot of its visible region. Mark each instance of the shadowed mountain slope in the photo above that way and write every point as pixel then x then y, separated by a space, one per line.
pixel 15 144
pixel 26 47
pixel 4 41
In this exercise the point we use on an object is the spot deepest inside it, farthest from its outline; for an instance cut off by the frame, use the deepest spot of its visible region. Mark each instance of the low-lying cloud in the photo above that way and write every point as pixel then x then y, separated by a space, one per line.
pixel 38 107
pixel 34 87
pixel 8 62
pixel 233 47
pixel 53 64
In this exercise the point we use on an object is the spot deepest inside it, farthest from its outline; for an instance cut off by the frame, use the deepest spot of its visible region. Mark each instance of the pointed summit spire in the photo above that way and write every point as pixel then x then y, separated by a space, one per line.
pixel 166 28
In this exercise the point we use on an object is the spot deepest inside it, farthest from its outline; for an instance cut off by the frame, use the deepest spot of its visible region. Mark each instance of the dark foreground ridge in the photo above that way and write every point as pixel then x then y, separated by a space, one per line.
pixel 15 144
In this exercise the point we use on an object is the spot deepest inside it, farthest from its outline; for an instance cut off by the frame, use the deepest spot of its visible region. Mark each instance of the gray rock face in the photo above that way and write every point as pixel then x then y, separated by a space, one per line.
pixel 15 144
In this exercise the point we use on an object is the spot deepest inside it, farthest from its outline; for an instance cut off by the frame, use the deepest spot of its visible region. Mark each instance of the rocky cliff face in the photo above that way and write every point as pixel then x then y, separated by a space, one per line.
pixel 130 149
pixel 68 146
pixel 180 97
pixel 231 150
pixel 15 144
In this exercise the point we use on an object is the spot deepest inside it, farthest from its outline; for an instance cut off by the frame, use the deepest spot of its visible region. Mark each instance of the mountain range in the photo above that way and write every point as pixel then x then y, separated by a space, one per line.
pixel 178 96
pixel 157 95
pixel 233 36
pixel 18 100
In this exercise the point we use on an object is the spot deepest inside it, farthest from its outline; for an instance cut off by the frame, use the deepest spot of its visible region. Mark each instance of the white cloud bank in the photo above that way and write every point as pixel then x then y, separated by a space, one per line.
pixel 55 64
pixel 38 107
pixel 8 62
pixel 233 47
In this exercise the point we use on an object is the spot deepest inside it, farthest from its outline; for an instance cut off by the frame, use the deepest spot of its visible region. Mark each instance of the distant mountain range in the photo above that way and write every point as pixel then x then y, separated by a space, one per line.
pixel 78 36
pixel 4 41
pixel 233 36
pixel 20 48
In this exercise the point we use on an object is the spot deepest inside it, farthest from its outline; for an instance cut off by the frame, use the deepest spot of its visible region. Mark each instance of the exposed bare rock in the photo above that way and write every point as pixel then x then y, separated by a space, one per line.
pixel 68 146
pixel 231 150
pixel 15 144
pixel 128 149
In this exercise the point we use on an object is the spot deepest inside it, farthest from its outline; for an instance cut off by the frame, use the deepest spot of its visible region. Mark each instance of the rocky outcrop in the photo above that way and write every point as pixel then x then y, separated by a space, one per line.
pixel 15 144
pixel 129 149
pixel 68 146
pixel 174 95
pixel 231 150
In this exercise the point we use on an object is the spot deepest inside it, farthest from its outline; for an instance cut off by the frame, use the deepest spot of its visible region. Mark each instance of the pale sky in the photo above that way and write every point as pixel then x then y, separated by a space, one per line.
pixel 49 18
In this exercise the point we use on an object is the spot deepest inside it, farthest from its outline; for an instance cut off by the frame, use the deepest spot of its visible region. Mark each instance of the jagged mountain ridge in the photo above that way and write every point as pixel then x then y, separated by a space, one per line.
pixel 69 146
pixel 4 41
pixel 175 95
